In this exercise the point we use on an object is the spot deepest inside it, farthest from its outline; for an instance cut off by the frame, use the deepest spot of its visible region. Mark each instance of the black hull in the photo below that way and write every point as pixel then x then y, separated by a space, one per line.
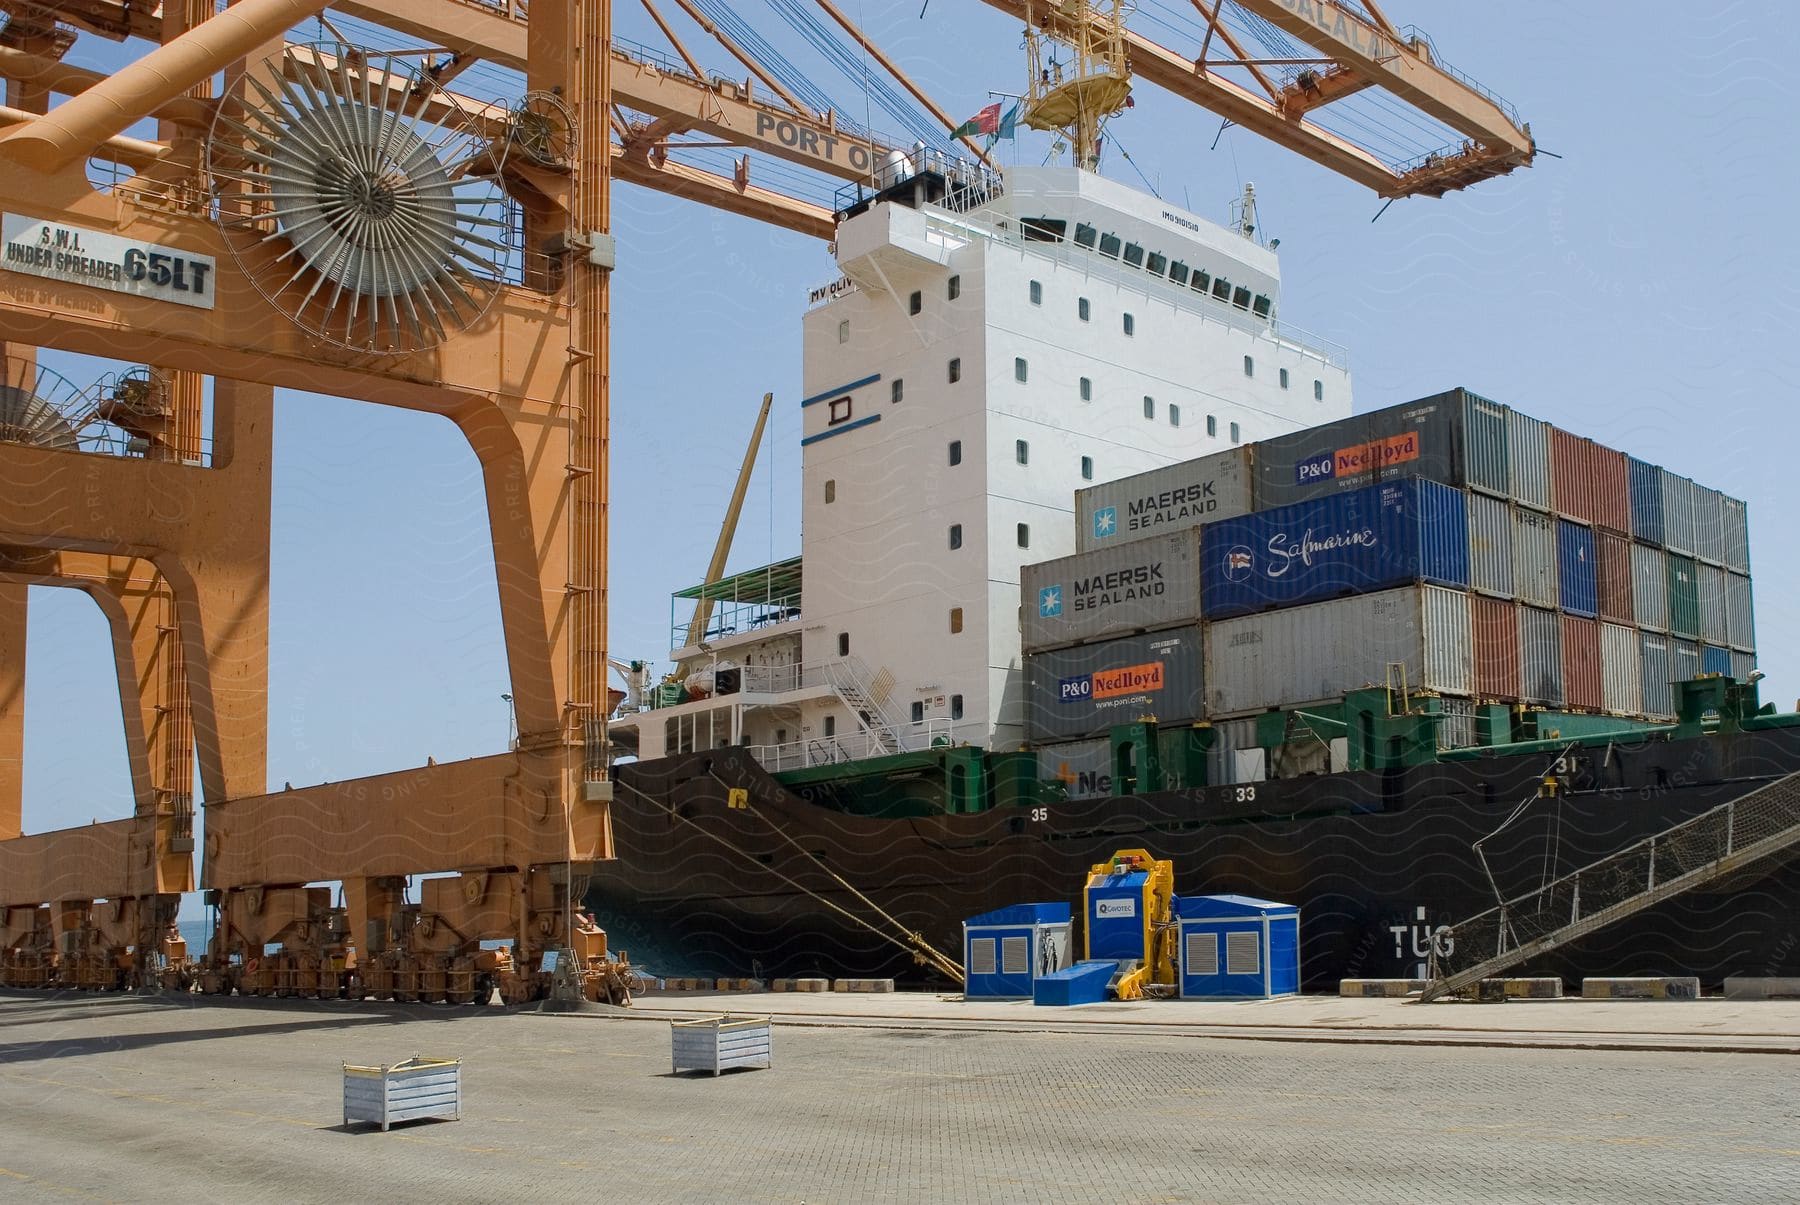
pixel 1376 862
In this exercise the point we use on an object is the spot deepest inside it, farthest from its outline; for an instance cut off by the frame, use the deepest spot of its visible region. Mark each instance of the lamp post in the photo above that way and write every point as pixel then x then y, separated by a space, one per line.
pixel 511 739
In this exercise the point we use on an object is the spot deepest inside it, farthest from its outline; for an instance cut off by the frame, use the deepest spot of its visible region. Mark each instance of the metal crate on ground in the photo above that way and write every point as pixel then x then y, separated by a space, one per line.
pixel 718 1044
pixel 409 1091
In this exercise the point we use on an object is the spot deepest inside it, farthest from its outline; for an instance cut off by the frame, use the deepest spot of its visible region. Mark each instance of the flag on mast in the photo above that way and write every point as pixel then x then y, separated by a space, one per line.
pixel 985 122
pixel 1009 125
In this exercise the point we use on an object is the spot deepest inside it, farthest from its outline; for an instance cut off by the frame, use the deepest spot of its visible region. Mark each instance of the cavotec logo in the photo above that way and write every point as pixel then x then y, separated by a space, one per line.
pixel 1358 459
pixel 1121 585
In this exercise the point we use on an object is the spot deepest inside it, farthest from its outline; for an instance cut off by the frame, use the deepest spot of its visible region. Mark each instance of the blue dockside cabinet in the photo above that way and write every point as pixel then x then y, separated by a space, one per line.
pixel 1234 947
pixel 1005 951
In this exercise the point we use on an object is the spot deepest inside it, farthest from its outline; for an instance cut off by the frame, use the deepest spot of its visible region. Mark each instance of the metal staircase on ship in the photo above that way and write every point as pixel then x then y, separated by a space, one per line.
pixel 1696 853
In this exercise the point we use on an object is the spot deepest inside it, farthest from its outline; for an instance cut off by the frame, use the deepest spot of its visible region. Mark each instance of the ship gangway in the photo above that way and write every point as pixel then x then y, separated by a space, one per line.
pixel 1761 825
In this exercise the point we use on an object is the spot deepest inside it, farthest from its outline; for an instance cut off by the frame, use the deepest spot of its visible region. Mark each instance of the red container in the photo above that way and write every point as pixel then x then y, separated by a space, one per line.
pixel 1582 675
pixel 1496 626
pixel 1589 483
pixel 1614 574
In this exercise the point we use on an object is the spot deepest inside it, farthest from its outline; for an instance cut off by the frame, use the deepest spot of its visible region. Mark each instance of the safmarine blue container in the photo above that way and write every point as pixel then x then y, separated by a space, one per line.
pixel 1715 660
pixel 1376 538
pixel 1646 502
pixel 1577 569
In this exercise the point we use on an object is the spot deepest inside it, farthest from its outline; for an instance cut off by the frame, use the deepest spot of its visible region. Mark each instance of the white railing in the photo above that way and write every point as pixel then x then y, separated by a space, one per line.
pixel 853 746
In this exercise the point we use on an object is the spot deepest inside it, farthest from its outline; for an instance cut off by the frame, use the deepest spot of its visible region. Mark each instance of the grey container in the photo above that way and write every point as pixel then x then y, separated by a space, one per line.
pixel 1236 757
pixel 1659 697
pixel 1138 586
pixel 1085 690
pixel 1678 514
pixel 1737 534
pixel 1684 658
pixel 1742 664
pixel 1534 557
pixel 1418 439
pixel 409 1091
pixel 1315 653
pixel 1165 500
pixel 1710 537
pixel 1621 670
pixel 1528 459
pixel 1740 613
pixel 1710 584
pixel 718 1044
pixel 1650 587
pixel 1084 768
pixel 1490 546
pixel 1540 656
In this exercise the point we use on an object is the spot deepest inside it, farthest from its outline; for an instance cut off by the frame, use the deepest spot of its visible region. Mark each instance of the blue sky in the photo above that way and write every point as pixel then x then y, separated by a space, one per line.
pixel 1640 290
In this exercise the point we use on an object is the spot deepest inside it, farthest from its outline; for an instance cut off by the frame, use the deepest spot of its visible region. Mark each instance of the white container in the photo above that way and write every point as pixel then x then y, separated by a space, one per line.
pixel 1140 586
pixel 1710 586
pixel 718 1044
pixel 1534 558
pixel 1650 587
pixel 1490 546
pixel 1621 670
pixel 1318 652
pixel 409 1091
pixel 1740 617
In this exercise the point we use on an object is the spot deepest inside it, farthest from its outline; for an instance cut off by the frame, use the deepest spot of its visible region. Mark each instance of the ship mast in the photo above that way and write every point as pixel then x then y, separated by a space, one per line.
pixel 1073 96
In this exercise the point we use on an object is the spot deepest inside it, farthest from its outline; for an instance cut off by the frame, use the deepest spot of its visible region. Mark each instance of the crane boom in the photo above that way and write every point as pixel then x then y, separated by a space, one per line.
pixel 715 569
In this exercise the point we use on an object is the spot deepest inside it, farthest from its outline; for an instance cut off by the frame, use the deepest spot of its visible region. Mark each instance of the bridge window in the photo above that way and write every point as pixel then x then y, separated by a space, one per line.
pixel 1109 246
pixel 1202 281
pixel 1261 308
pixel 1178 272
pixel 1222 289
pixel 1240 298
pixel 1044 230
pixel 1085 235
pixel 1134 255
pixel 1157 263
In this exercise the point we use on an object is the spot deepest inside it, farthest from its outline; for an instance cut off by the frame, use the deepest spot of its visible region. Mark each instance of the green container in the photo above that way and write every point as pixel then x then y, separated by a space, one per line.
pixel 1684 596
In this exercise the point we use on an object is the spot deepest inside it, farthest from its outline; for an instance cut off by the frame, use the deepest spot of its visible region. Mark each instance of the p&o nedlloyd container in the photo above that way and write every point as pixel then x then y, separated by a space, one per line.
pixel 1083 691
pixel 1372 539
pixel 1165 500
pixel 1312 653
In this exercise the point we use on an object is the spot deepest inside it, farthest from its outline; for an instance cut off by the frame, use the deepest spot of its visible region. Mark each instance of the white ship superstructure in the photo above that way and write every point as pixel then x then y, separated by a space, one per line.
pixel 989 351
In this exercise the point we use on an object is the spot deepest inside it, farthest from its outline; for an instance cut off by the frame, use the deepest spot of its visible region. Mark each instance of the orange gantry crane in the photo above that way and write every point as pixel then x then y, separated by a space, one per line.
pixel 339 218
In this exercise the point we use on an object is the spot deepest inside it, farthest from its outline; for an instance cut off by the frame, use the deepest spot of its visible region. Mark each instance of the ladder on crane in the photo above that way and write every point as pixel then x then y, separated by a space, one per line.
pixel 1699 851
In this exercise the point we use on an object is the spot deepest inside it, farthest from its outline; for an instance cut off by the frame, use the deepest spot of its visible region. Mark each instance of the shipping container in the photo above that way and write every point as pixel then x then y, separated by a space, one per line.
pixel 1737 535
pixel 1709 525
pixel 1577 569
pixel 1678 514
pixel 1715 660
pixel 1314 653
pixel 1684 596
pixel 1494 623
pixel 1684 661
pixel 1236 757
pixel 1589 482
pixel 1614 578
pixel 1484 443
pixel 1165 500
pixel 1742 665
pixel 1490 545
pixel 1582 688
pixel 1621 670
pixel 1540 656
pixel 1740 617
pixel 1461 726
pixel 1710 589
pixel 1658 666
pixel 1356 543
pixel 1134 587
pixel 1082 768
pixel 1528 459
pixel 1083 691
pixel 1646 502
pixel 1427 438
pixel 1650 587
pixel 1534 557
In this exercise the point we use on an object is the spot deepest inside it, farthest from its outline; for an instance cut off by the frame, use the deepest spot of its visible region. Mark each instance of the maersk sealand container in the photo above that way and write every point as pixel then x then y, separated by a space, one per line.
pixel 1376 538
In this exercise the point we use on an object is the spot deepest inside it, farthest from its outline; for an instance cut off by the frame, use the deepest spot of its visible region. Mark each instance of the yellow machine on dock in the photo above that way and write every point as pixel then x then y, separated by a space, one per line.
pixel 1130 900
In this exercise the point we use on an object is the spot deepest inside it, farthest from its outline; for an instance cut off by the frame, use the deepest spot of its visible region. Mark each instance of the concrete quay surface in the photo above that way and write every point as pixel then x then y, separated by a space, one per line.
pixel 909 1098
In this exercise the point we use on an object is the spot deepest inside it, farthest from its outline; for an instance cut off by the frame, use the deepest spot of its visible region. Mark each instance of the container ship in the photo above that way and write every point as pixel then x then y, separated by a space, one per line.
pixel 1097 553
